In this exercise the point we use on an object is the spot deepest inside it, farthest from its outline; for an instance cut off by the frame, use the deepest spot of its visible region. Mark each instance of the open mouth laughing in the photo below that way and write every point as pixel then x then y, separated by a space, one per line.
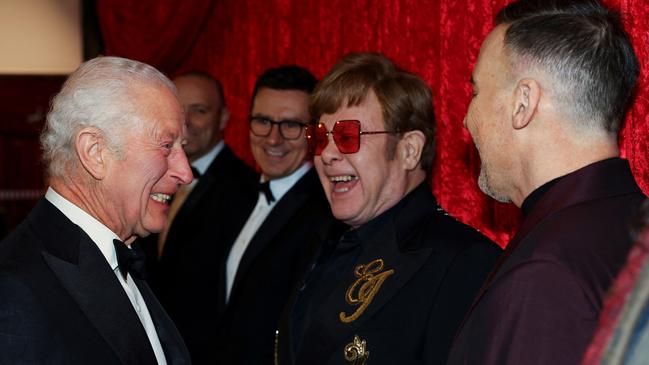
pixel 343 183
pixel 161 198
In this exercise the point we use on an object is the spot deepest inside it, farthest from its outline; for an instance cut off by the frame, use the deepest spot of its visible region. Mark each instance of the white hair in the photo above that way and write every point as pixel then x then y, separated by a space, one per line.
pixel 98 95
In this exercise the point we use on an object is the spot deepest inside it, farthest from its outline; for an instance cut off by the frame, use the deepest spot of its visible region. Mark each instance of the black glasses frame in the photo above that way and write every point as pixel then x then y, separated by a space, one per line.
pixel 281 124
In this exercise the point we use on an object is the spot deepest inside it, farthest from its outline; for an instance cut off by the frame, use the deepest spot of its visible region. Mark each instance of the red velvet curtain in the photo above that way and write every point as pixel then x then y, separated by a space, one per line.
pixel 237 39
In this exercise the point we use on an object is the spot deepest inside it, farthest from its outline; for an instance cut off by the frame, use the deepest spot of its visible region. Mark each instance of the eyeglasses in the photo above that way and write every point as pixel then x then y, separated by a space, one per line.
pixel 288 128
pixel 346 135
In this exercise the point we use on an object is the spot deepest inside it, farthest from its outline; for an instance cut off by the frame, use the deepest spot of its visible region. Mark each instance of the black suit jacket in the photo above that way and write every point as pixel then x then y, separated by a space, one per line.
pixel 439 264
pixel 62 303
pixel 542 305
pixel 196 218
pixel 243 331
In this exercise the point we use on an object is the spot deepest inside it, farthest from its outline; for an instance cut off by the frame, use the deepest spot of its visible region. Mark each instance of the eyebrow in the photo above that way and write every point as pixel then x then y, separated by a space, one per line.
pixel 198 104
pixel 259 115
pixel 162 136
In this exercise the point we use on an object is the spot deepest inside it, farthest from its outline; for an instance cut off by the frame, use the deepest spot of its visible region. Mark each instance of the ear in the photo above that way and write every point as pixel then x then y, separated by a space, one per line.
pixel 91 149
pixel 526 101
pixel 225 117
pixel 410 148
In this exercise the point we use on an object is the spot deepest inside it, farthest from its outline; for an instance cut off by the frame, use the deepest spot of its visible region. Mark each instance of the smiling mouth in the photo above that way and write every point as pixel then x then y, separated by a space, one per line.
pixel 161 198
pixel 275 153
pixel 343 183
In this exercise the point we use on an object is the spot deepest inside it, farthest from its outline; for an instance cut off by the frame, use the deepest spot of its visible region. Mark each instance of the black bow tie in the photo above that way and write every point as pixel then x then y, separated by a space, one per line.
pixel 264 187
pixel 130 260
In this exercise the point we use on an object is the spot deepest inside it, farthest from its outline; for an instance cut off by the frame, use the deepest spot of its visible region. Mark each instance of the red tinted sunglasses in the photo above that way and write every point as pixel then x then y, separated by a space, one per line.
pixel 346 135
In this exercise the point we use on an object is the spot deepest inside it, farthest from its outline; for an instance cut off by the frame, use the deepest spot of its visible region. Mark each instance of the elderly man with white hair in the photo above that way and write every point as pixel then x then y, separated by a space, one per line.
pixel 70 278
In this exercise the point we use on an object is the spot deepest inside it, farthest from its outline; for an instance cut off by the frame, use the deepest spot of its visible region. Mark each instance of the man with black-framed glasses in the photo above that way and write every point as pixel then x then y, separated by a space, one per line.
pixel 264 245
pixel 394 287
pixel 290 129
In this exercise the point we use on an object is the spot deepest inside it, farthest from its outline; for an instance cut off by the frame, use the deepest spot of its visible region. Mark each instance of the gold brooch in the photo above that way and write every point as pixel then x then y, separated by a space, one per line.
pixel 370 279
pixel 355 352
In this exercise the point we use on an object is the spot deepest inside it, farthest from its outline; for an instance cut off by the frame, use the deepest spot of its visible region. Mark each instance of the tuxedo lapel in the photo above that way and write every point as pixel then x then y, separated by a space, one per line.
pixel 277 220
pixel 97 291
pixel 172 344
pixel 87 277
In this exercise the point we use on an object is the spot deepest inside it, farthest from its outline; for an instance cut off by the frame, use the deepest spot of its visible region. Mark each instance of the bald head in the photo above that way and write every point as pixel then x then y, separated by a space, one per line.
pixel 205 112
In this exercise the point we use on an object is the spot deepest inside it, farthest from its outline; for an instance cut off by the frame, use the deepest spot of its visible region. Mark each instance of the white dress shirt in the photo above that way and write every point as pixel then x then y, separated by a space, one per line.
pixel 278 187
pixel 103 238
pixel 202 163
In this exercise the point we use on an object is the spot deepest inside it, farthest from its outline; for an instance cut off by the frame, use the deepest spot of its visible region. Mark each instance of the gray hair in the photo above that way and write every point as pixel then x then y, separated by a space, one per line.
pixel 582 46
pixel 98 95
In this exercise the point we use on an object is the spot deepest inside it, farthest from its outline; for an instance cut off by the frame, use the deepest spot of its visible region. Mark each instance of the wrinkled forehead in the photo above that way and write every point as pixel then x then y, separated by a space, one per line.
pixel 157 108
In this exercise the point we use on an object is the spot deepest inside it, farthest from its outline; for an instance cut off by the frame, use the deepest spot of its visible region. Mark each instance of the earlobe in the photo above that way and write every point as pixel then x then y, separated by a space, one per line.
pixel 90 147
pixel 526 101
pixel 225 117
pixel 412 146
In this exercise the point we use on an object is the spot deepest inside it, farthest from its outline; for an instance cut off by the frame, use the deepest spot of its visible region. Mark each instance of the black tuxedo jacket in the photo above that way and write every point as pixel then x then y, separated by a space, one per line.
pixel 439 264
pixel 243 331
pixel 62 303
pixel 542 305
pixel 196 218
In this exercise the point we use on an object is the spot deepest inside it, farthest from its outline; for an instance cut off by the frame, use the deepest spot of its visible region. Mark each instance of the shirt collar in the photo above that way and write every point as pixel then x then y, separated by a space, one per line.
pixel 203 162
pixel 281 186
pixel 530 202
pixel 98 233
pixel 411 204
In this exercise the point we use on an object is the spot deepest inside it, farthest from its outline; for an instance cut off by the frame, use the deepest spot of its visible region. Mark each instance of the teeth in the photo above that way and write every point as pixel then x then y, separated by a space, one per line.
pixel 342 178
pixel 275 153
pixel 343 190
pixel 162 198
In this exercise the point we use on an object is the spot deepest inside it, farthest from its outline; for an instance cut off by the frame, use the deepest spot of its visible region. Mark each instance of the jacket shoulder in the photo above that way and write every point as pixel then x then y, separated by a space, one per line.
pixel 18 246
pixel 443 232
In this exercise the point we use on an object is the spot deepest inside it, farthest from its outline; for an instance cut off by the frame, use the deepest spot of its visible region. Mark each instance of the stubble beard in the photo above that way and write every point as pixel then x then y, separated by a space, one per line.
pixel 486 187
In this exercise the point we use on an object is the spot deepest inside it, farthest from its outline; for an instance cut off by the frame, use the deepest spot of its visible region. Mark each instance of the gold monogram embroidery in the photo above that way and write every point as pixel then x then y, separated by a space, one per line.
pixel 355 352
pixel 370 279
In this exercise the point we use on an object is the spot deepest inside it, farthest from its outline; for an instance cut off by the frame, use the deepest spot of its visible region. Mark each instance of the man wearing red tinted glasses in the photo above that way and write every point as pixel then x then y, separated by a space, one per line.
pixel 395 286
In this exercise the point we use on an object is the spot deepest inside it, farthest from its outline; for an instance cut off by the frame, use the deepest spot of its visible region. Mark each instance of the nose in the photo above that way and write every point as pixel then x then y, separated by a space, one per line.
pixel 274 137
pixel 179 167
pixel 330 153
